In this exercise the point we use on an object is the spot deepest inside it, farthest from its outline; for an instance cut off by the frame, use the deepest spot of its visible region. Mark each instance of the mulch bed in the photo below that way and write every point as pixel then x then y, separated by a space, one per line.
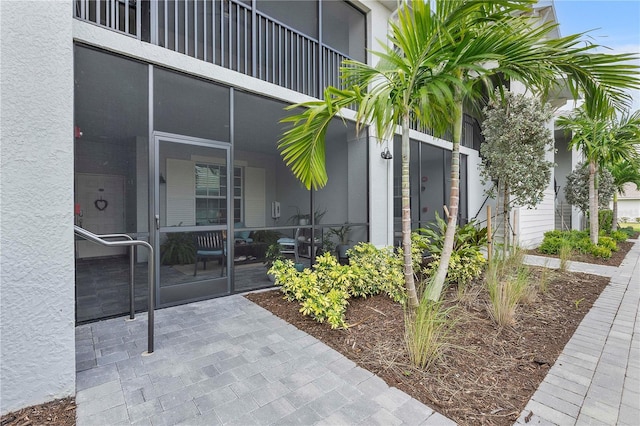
pixel 61 412
pixel 616 257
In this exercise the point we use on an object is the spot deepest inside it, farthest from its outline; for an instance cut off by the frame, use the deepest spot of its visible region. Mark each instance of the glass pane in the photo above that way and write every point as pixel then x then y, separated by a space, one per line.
pixel 193 265
pixel 194 192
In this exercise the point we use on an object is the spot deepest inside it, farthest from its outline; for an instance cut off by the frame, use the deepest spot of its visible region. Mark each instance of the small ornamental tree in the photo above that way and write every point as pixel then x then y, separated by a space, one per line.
pixel 576 191
pixel 513 155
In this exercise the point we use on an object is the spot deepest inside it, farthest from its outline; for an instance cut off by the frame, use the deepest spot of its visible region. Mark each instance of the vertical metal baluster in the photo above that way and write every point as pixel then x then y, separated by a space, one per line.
pixel 139 21
pixel 214 33
pixel 204 31
pixel 126 16
pixel 98 7
pixel 298 62
pixel 166 24
pixel 222 32
pixel 258 47
pixel 286 58
pixel 116 15
pixel 237 7
pixel 186 27
pixel 176 41
pixel 230 36
pixel 279 55
pixel 246 67
pixel 195 29
pixel 273 52
pixel 314 85
pixel 254 40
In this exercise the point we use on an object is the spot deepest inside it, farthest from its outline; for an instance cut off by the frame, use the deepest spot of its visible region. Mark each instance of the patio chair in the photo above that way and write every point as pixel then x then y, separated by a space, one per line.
pixel 290 245
pixel 210 245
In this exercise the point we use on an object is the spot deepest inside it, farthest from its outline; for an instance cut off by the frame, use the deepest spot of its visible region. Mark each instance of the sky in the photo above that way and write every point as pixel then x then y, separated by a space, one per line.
pixel 612 23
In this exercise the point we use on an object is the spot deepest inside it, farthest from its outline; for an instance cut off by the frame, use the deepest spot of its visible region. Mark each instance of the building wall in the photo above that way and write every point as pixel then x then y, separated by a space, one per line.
pixel 37 315
pixel 533 223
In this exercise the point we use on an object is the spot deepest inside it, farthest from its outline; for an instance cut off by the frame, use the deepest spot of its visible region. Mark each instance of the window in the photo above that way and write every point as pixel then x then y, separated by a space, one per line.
pixel 211 192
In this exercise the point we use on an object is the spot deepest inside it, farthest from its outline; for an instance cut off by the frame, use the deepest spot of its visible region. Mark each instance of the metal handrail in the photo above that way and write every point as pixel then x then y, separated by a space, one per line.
pixel 129 243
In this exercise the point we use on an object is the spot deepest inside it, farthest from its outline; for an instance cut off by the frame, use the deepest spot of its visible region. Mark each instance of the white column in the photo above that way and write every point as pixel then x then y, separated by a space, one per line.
pixel 37 317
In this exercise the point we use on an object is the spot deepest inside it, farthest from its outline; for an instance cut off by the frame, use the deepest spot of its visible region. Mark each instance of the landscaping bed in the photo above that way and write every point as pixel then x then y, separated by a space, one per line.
pixel 488 373
pixel 615 260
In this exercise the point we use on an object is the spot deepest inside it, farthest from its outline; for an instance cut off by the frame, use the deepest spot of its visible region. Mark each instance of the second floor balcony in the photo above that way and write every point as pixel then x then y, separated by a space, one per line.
pixel 298 45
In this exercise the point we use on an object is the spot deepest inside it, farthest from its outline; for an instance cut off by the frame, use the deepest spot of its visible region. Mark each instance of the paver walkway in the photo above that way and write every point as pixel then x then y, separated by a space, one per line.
pixel 228 361
pixel 596 379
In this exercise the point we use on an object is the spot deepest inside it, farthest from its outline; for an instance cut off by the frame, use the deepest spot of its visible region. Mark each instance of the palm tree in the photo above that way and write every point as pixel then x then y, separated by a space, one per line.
pixel 623 172
pixel 441 54
pixel 604 140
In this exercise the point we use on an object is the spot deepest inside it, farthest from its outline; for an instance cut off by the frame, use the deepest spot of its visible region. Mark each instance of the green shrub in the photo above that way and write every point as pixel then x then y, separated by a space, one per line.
pixel 378 270
pixel 323 291
pixel 619 236
pixel 605 220
pixel 551 244
pixel 467 261
pixel 629 231
pixel 554 233
pixel 583 245
pixel 608 242
pixel 318 297
pixel 600 251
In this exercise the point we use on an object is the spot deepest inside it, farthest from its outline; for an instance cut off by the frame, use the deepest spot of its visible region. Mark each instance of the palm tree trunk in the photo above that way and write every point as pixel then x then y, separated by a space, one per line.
pixel 409 282
pixel 614 221
pixel 593 203
pixel 454 198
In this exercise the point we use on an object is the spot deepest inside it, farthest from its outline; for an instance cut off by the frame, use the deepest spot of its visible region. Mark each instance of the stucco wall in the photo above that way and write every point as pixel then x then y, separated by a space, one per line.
pixel 37 354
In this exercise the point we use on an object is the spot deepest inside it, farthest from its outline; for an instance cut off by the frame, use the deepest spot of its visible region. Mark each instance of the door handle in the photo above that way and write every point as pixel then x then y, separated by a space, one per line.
pixel 157 221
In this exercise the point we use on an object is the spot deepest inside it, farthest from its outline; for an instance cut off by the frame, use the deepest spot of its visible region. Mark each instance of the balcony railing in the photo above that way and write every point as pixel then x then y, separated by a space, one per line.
pixel 228 33
pixel 471 132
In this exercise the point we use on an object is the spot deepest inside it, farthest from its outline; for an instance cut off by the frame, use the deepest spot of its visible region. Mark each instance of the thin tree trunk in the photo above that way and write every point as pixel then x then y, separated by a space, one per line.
pixel 593 203
pixel 506 221
pixel 454 198
pixel 409 281
pixel 614 221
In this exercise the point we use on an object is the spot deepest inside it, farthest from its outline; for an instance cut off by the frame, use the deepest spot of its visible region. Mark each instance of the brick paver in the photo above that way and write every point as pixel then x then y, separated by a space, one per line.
pixel 596 378
pixel 227 361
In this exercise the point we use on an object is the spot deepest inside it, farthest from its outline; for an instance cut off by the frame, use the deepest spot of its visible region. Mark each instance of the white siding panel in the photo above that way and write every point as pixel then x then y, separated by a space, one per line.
pixel 255 200
pixel 533 223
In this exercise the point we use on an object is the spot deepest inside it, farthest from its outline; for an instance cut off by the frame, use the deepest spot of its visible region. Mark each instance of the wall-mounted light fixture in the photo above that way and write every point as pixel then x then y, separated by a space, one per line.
pixel 386 154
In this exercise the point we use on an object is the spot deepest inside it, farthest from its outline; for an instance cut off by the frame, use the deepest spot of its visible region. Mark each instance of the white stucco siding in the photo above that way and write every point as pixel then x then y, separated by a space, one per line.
pixel 37 346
